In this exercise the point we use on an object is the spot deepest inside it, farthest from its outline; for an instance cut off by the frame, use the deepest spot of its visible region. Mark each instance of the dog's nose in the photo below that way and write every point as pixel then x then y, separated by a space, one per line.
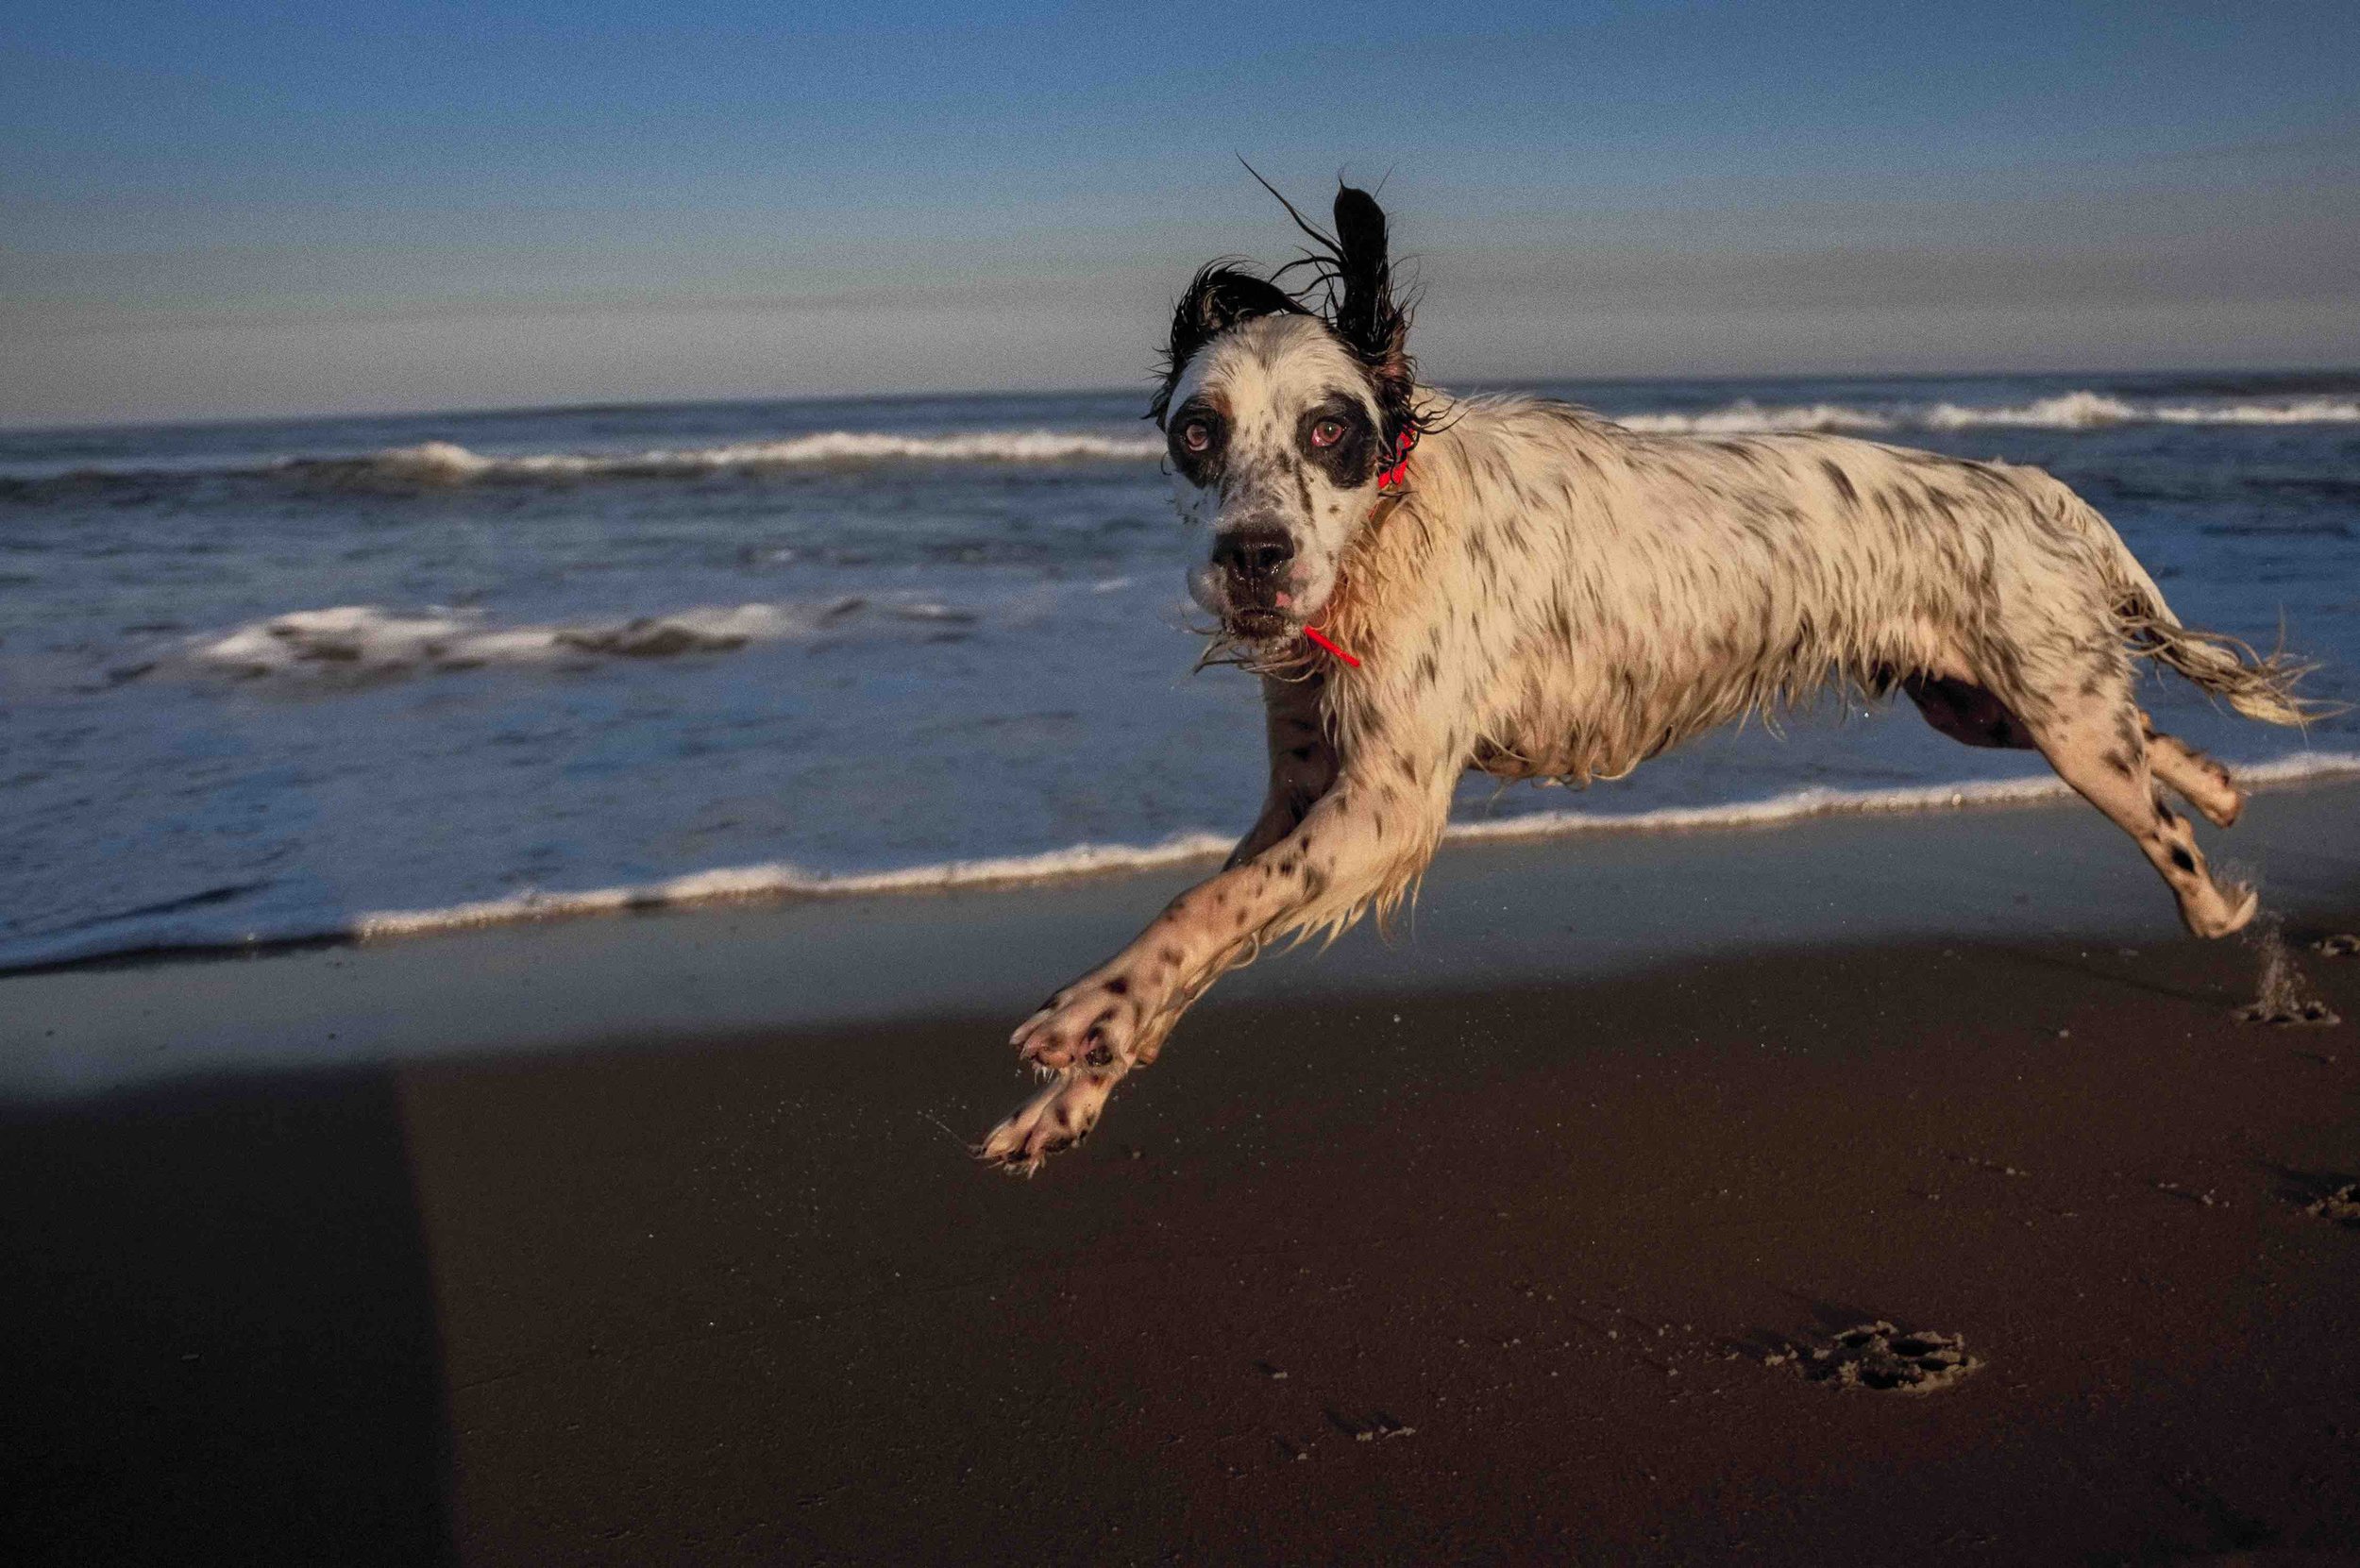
pixel 1252 552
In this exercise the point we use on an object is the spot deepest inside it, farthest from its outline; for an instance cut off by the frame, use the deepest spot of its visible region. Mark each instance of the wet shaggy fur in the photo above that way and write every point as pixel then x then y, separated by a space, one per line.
pixel 1548 595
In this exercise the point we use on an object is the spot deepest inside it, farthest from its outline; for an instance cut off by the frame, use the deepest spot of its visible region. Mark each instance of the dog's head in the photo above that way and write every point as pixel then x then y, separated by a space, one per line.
pixel 1282 410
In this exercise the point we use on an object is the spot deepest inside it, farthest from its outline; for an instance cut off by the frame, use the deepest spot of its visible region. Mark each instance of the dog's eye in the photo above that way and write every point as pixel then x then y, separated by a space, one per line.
pixel 1328 432
pixel 1197 436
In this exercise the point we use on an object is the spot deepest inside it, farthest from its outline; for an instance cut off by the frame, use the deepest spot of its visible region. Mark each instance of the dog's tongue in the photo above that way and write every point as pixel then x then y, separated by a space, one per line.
pixel 1282 598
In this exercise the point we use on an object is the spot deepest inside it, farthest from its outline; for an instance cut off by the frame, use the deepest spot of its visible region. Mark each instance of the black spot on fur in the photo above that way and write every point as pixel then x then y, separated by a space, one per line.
pixel 1352 457
pixel 1203 469
pixel 2180 858
pixel 1967 713
pixel 1119 986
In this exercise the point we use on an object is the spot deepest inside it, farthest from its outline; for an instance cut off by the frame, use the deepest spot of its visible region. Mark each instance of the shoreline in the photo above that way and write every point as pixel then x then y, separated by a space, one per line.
pixel 784 883
pixel 1557 910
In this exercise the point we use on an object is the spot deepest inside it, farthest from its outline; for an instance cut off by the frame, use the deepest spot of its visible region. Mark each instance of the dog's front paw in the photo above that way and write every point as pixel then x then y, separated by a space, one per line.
pixel 1059 1116
pixel 1093 1022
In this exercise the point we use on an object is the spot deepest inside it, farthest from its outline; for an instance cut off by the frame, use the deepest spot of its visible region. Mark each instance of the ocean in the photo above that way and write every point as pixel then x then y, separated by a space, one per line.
pixel 276 681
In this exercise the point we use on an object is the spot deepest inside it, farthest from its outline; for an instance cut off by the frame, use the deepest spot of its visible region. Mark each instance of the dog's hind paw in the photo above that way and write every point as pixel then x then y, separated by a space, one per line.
pixel 2220 910
pixel 1059 1116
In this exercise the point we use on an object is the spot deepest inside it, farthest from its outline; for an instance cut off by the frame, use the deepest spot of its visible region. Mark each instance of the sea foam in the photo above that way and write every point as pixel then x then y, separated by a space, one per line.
pixel 780 880
pixel 447 463
pixel 2069 410
pixel 191 931
pixel 443 463
pixel 360 640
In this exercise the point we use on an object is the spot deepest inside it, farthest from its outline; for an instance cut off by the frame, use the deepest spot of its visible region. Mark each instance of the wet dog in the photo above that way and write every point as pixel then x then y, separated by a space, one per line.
pixel 1529 589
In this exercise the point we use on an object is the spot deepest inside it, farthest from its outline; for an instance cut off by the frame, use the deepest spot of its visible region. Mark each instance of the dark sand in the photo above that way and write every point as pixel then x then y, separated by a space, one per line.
pixel 1368 1268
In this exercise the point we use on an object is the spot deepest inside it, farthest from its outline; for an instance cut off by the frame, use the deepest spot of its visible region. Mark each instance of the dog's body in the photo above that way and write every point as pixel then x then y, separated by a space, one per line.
pixel 1541 593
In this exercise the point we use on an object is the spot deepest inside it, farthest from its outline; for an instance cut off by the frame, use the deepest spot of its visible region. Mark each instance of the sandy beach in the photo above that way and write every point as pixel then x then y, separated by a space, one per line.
pixel 655 1240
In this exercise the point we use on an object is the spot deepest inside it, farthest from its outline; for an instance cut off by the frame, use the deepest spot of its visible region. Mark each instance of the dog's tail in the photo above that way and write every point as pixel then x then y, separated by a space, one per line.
pixel 2259 686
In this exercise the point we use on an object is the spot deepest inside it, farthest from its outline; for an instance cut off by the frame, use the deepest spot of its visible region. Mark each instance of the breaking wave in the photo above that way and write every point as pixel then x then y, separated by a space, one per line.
pixel 779 881
pixel 2071 411
pixel 360 641
pixel 446 463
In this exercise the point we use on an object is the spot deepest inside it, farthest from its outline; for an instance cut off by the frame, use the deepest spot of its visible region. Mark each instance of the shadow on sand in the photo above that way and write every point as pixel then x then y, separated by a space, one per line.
pixel 220 1329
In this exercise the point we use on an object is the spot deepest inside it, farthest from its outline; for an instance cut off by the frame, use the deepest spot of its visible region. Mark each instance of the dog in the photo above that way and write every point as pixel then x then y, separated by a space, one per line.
pixel 1518 586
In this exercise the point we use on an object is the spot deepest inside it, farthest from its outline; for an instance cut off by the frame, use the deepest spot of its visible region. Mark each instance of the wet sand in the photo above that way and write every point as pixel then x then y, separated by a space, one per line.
pixel 1372 1266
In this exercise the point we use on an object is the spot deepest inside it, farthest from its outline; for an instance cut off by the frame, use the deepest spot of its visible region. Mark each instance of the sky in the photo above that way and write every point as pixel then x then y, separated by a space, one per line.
pixel 238 209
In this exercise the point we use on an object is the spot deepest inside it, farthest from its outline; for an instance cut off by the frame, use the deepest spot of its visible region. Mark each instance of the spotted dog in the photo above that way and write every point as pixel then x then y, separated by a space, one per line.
pixel 1540 593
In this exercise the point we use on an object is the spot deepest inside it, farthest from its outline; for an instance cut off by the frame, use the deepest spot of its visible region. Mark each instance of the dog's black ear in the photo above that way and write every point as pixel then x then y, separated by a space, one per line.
pixel 1372 322
pixel 1219 296
pixel 1365 319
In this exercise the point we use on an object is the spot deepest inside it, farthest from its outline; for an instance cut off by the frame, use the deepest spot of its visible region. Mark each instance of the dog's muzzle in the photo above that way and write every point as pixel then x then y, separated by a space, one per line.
pixel 1253 563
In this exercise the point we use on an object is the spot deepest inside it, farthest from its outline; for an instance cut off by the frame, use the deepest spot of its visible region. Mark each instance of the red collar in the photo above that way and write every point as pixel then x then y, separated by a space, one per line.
pixel 1322 638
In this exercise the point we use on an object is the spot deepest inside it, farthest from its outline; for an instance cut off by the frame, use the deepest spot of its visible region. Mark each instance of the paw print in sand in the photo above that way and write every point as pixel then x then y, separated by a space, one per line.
pixel 1881 1356
pixel 2342 1204
pixel 2308 1011
pixel 2286 998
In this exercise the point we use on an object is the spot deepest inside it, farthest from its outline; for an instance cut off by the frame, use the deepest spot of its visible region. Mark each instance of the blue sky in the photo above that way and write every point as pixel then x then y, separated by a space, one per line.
pixel 238 208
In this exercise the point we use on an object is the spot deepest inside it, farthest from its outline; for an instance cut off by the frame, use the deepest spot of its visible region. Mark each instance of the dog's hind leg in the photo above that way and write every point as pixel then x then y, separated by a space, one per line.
pixel 1973 717
pixel 2205 783
pixel 2095 739
pixel 1967 713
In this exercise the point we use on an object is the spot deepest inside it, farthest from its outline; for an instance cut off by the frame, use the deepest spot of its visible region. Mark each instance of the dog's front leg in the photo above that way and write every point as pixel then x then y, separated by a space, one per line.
pixel 1364 840
pixel 1302 760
